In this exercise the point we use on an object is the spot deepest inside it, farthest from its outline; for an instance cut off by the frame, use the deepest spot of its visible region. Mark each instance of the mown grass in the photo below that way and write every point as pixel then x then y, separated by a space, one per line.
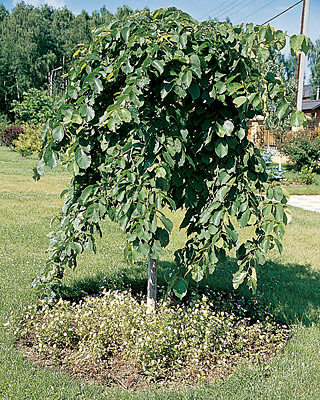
pixel 290 282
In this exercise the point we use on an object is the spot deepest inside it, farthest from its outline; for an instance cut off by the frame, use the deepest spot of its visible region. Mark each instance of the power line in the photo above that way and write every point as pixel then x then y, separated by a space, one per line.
pixel 214 9
pixel 257 10
pixel 226 8
pixel 278 15
pixel 237 9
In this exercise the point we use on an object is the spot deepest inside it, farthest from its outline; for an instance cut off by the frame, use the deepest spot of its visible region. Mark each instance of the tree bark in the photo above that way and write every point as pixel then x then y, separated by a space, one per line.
pixel 152 284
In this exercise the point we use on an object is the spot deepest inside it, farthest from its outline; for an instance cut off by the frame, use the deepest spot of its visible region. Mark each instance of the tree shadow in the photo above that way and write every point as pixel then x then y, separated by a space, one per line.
pixel 291 291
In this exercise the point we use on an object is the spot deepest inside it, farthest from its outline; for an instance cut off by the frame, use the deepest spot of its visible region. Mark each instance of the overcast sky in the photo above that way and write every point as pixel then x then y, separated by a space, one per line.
pixel 256 11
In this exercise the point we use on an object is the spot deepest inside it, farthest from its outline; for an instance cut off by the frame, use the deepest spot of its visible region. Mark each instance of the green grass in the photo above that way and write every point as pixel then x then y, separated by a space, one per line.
pixel 290 282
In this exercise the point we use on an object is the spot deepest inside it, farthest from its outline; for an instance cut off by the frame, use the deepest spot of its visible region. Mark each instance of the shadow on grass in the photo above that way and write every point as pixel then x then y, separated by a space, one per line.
pixel 291 290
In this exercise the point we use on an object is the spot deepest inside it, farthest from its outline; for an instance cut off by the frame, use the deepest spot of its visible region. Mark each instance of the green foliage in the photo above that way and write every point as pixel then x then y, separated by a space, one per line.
pixel 29 141
pixel 314 62
pixel 154 118
pixel 277 111
pixel 306 176
pixel 35 108
pixel 4 121
pixel 302 149
pixel 199 339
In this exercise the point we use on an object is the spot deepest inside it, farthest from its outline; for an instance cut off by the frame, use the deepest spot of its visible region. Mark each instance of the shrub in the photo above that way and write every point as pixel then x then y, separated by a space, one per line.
pixel 302 149
pixel 10 134
pixel 4 122
pixel 200 338
pixel 29 141
pixel 36 107
pixel 306 176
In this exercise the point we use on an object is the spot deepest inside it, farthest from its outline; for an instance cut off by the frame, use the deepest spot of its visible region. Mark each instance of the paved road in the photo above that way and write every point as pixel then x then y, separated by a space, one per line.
pixel 311 203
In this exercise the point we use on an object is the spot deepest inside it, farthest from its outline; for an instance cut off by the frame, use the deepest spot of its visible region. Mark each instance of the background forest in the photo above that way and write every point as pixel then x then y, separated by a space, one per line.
pixel 37 44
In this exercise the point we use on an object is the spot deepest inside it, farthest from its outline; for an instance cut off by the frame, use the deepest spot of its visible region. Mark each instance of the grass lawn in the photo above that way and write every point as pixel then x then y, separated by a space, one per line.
pixel 290 282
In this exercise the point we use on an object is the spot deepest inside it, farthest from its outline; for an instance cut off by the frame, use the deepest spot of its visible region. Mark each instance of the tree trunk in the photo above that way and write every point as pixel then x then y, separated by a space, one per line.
pixel 152 285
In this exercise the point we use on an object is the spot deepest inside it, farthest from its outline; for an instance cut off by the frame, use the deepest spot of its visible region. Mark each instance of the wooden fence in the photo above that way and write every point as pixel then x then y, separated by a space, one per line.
pixel 263 137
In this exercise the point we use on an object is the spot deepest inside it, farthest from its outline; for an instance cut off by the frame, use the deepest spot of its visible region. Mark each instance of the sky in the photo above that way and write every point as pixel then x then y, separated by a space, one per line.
pixel 256 11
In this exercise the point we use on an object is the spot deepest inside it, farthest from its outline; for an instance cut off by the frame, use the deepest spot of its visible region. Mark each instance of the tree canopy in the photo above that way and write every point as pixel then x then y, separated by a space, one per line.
pixel 154 118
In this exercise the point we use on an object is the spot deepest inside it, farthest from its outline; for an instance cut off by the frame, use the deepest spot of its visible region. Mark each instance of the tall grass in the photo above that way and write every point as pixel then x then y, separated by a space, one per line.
pixel 290 283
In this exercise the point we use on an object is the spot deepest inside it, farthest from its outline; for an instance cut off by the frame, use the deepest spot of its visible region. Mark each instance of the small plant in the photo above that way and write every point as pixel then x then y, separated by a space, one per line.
pixel 303 149
pixel 306 176
pixel 10 134
pixel 200 338
pixel 29 141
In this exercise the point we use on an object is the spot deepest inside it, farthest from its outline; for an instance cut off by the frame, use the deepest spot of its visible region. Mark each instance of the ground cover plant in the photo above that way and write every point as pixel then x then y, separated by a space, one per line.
pixel 109 338
pixel 290 285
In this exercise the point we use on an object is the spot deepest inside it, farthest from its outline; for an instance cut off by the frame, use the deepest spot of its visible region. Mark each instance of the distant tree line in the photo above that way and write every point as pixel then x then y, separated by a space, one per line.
pixel 34 41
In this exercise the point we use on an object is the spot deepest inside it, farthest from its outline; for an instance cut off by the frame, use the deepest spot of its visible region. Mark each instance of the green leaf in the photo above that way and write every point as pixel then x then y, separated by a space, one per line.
pixel 72 92
pixel 229 127
pixel 76 118
pixel 123 222
pixel 277 193
pixel 260 258
pixel 244 219
pixel 288 215
pixel 238 278
pixel 50 158
pixel 205 216
pixel 180 288
pixel 194 90
pixel 125 115
pixel 279 212
pixel 265 245
pixel 186 79
pixel 267 210
pixel 125 33
pixel 296 42
pixel 168 159
pixel 221 87
pixel 221 148
pixel 166 222
pixel 156 250
pixel 96 85
pixel 58 133
pixel 283 110
pixel 238 101
pixel 297 118
pixel 144 249
pixel 76 247
pixel 40 167
pixel 183 40
pixel 197 273
pixel 194 60
pixel 83 160
pixel 159 66
pixel 217 217
pixel 163 237
pixel 87 112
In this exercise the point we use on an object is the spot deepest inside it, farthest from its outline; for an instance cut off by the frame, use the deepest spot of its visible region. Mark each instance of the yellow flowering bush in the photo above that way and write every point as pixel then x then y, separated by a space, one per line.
pixel 29 141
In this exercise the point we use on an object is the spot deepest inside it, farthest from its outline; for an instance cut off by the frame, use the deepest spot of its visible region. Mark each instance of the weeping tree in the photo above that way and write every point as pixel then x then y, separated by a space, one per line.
pixel 154 120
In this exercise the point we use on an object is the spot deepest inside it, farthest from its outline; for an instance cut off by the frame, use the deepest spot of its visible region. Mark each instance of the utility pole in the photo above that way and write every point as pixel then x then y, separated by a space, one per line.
pixel 302 56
